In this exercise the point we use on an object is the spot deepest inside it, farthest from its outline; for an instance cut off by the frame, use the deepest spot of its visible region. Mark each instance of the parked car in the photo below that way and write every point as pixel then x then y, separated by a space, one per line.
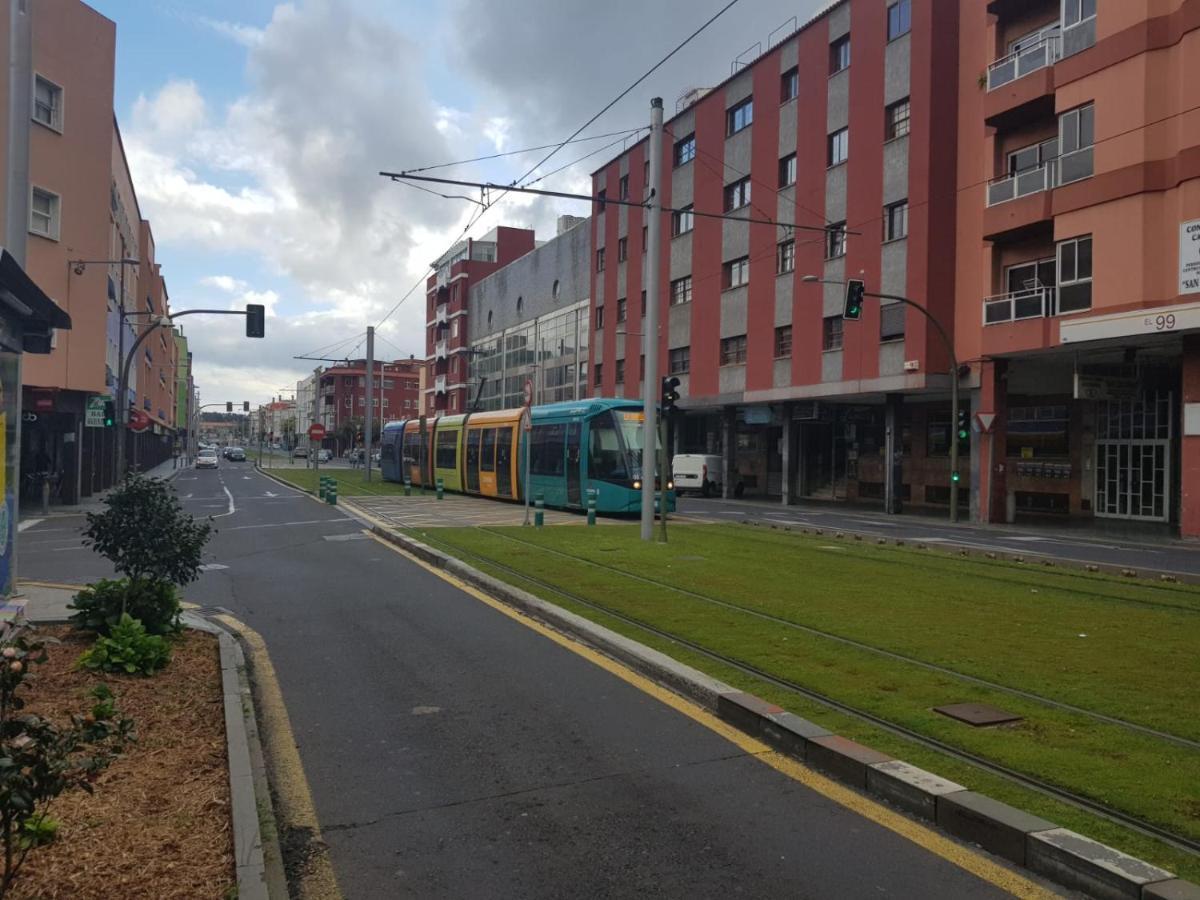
pixel 699 472
pixel 207 459
pixel 300 453
pixel 236 454
pixel 324 455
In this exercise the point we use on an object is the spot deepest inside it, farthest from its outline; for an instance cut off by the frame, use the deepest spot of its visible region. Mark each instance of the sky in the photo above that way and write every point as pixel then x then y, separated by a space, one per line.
pixel 255 133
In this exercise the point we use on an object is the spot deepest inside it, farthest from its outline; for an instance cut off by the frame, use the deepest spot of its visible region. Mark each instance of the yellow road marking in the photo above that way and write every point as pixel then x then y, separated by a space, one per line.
pixel 293 802
pixel 921 835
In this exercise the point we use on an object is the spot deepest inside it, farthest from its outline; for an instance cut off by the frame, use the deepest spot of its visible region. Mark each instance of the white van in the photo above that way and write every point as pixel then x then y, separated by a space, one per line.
pixel 700 472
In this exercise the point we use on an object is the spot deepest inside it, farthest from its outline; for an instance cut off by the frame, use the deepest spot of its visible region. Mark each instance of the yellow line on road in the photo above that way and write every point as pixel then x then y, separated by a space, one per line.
pixel 294 809
pixel 965 858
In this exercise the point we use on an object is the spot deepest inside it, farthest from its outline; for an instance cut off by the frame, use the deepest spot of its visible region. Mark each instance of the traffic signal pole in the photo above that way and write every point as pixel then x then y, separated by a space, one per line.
pixel 650 380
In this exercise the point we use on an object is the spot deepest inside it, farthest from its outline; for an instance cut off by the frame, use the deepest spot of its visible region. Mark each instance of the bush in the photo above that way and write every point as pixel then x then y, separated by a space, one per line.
pixel 128 649
pixel 154 603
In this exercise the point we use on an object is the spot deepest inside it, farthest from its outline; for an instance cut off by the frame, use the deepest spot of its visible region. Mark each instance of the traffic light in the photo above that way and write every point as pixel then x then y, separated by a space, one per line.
pixel 854 299
pixel 963 426
pixel 110 413
pixel 228 406
pixel 670 394
pixel 245 406
pixel 954 476
pixel 256 320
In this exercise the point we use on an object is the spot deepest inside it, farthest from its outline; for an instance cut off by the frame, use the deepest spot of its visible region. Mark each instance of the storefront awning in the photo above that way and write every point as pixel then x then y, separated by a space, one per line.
pixel 21 295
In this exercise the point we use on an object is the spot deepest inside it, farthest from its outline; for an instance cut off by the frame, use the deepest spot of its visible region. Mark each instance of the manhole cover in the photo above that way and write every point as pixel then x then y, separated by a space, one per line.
pixel 977 714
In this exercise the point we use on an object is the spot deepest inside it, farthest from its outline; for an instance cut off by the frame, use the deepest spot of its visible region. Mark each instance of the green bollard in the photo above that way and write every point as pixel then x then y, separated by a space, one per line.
pixel 539 510
pixel 591 506
pixel 331 495
pixel 407 487
pixel 440 487
pixel 321 485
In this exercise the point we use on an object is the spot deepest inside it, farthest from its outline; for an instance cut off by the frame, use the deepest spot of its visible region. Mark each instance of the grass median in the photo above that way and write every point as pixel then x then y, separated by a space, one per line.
pixel 350 482
pixel 926 629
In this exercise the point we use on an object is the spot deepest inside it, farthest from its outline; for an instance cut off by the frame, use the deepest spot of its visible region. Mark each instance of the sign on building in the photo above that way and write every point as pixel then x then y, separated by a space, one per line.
pixel 94 414
pixel 1189 257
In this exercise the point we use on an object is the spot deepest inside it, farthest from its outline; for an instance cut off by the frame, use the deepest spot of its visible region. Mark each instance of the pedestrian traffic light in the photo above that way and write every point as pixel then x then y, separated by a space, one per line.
pixel 670 393
pixel 963 424
pixel 228 406
pixel 854 299
pixel 256 320
pixel 110 413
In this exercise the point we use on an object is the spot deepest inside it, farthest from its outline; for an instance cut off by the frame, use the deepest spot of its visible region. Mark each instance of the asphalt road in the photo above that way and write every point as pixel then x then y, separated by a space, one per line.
pixel 453 752
pixel 1146 549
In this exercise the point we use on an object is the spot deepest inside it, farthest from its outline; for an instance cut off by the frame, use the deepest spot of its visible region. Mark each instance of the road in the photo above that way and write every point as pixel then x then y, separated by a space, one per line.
pixel 1145 550
pixel 452 751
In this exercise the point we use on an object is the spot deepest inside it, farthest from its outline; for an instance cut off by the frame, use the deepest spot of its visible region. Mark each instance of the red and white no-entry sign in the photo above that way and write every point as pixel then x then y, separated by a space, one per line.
pixel 316 432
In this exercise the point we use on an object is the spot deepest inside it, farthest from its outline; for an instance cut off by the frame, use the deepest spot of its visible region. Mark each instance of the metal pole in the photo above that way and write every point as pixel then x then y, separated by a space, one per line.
pixel 662 469
pixel 650 332
pixel 122 413
pixel 528 439
pixel 20 102
pixel 953 439
pixel 369 392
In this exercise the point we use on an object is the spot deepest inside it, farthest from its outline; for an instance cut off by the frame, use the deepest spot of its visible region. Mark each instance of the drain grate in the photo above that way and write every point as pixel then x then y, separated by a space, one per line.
pixel 979 715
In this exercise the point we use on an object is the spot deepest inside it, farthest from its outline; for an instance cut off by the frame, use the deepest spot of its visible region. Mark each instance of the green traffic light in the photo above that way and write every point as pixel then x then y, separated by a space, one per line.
pixel 962 434
pixel 954 476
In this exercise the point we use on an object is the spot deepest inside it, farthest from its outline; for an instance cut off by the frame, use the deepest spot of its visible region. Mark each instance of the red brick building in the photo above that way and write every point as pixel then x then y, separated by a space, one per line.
pixel 342 394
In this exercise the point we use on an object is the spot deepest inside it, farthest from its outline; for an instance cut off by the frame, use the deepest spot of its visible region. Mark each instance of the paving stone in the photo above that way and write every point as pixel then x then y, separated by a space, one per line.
pixel 1079 862
pixel 995 826
pixel 908 787
pixel 843 758
pixel 790 734
pixel 745 711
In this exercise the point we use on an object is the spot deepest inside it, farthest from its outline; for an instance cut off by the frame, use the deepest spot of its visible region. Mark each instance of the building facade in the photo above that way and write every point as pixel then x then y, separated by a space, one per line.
pixel 529 321
pixel 447 292
pixel 185 390
pixel 399 386
pixel 831 134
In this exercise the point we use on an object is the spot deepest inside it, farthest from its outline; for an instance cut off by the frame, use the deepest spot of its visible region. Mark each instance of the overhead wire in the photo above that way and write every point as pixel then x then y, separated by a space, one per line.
pixel 578 140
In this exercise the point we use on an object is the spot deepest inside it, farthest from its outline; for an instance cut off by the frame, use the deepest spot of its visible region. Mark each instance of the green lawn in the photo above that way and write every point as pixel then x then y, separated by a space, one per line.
pixel 1126 649
pixel 350 481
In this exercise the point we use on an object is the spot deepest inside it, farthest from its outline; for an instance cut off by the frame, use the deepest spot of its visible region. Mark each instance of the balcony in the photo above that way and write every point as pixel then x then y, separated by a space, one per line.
pixel 439 384
pixel 1019 202
pixel 439 350
pixel 1042 52
pixel 1033 303
pixel 441 315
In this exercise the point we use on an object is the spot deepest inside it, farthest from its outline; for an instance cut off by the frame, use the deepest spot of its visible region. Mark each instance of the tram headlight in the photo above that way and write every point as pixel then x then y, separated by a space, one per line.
pixel 670 485
pixel 637 485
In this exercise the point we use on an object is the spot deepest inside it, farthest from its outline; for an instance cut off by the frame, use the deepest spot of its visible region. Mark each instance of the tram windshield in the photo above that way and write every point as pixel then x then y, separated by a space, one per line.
pixel 615 451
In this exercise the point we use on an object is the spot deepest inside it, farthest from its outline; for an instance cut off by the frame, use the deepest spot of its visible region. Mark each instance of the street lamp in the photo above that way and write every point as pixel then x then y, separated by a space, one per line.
pixel 954 476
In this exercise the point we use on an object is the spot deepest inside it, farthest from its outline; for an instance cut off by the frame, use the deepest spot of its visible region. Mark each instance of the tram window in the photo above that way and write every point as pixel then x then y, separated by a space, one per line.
pixel 606 458
pixel 412 447
pixel 546 450
pixel 447 449
pixel 487 460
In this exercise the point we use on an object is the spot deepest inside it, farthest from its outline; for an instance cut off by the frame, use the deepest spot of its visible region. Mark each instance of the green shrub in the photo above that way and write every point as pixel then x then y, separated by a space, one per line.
pixel 127 649
pixel 153 603
pixel 38 832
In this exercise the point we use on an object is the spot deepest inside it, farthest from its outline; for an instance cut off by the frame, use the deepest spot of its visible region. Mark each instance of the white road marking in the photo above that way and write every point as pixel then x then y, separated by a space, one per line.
pixel 67 549
pixel 270 494
pixel 343 521
pixel 232 505
pixel 212 567
pixel 28 523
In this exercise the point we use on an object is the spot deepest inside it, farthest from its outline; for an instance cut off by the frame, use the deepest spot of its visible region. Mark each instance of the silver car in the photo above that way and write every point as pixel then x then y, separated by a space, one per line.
pixel 207 459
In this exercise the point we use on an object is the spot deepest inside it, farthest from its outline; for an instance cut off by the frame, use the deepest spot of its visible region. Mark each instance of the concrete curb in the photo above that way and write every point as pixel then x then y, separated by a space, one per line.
pixel 1067 858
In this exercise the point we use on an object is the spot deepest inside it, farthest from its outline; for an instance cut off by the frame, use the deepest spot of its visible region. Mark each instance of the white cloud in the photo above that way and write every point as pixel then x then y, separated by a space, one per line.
pixel 246 35
pixel 226 283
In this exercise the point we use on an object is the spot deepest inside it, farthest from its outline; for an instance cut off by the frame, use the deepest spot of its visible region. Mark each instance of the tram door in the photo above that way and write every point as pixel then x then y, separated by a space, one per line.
pixel 472 466
pixel 504 441
pixel 573 461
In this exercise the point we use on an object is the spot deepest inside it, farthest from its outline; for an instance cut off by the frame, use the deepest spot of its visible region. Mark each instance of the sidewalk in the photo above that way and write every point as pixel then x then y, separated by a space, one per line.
pixel 33 511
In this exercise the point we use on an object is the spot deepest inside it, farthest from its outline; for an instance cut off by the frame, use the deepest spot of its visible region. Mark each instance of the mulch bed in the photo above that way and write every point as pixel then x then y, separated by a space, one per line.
pixel 158 825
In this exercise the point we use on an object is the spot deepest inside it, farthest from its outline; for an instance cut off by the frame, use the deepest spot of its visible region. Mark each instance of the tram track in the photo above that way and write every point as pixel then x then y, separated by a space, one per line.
pixel 1012 775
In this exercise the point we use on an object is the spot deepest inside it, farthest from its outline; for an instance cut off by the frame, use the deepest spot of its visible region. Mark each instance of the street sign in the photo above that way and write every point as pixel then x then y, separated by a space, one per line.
pixel 138 420
pixel 316 432
pixel 94 415
pixel 985 421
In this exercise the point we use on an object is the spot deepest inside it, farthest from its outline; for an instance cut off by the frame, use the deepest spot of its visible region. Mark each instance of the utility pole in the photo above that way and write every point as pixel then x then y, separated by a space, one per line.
pixel 650 382
pixel 370 395
pixel 20 102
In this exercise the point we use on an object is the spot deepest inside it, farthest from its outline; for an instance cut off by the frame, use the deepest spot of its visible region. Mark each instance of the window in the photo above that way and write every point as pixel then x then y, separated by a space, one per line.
pixel 622 249
pixel 737 195
pixel 839 147
pixel 44 209
pixel 839 55
pixel 681 290
pixel 685 150
pixel 895 122
pixel 388 384
pixel 601 199
pixel 785 257
pixel 739 116
pixel 891 321
pixel 679 360
pixel 622 310
pixel 598 374
pixel 835 240
pixel 600 260
pixel 1076 11
pixel 1032 157
pixel 1076 134
pixel 1075 274
pixel 362 401
pixel 623 187
pixel 831 333
pixel 487 456
pixel 787 170
pixel 547 450
pixel 47 103
pixel 599 317
pixel 554 291
pixel 733 350
pixel 783 341
pixel 682 221
pixel 620 371
pixel 520 304
pixel 899 19
pixel 1043 429
pixel 895 221
pixel 789 85
pixel 735 273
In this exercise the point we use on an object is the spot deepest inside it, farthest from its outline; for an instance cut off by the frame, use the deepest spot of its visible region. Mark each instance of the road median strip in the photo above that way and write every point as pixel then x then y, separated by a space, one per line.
pixel 1069 859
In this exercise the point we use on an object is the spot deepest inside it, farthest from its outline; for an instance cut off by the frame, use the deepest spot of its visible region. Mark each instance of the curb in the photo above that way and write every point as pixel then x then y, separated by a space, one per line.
pixel 1064 857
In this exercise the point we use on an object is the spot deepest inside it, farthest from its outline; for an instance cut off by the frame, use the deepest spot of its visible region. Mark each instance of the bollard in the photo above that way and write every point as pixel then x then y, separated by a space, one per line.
pixel 440 487
pixel 321 487
pixel 539 510
pixel 591 506
pixel 331 495
pixel 407 487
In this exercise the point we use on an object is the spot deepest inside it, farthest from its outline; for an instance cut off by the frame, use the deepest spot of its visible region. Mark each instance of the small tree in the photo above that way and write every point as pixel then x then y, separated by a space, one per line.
pixel 146 534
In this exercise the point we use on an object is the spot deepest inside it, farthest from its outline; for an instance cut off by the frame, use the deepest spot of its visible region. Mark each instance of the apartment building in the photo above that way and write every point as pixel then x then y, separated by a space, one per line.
pixel 185 390
pixel 840 132
pixel 398 389
pixel 446 310
pixel 1078 264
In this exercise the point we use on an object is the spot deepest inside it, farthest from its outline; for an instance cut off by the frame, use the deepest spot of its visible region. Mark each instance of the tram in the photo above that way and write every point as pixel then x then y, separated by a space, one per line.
pixel 574 447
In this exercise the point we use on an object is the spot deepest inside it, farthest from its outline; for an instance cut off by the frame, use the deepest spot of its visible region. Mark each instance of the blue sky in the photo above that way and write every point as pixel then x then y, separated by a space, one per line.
pixel 255 132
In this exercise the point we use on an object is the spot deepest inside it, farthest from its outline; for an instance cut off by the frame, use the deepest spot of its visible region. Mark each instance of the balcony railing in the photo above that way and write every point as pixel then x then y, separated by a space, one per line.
pixel 439 384
pixel 1032 303
pixel 1019 63
pixel 439 350
pixel 441 315
pixel 1053 173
